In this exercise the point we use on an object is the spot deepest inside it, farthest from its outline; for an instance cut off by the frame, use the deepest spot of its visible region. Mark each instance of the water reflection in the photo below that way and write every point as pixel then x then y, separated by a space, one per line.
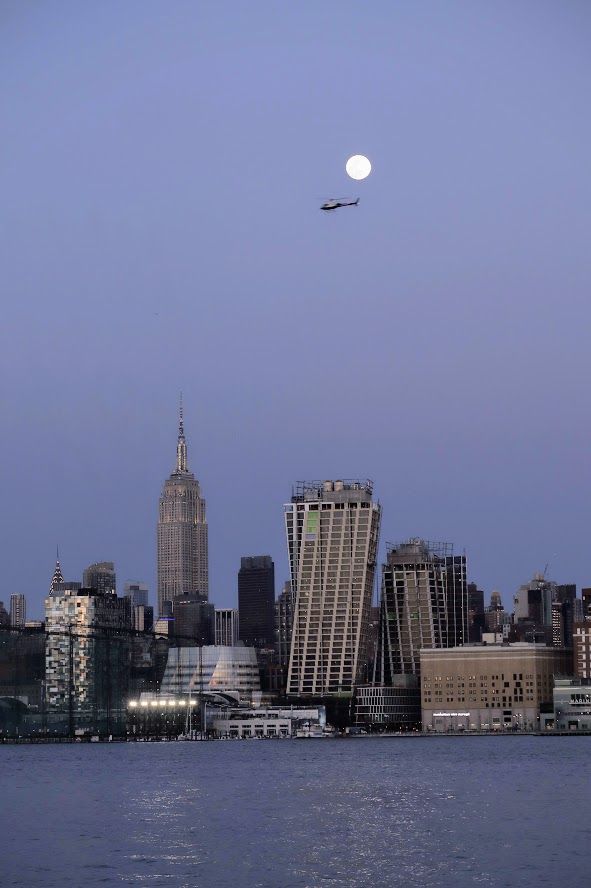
pixel 297 814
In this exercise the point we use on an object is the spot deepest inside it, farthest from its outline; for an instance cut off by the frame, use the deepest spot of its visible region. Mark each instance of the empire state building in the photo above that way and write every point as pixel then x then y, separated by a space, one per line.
pixel 182 532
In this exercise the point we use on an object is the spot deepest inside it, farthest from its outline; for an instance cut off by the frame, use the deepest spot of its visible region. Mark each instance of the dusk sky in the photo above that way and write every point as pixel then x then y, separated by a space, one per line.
pixel 161 171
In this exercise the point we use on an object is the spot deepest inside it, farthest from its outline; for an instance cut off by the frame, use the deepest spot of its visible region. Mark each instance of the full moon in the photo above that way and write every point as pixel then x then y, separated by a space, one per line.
pixel 358 167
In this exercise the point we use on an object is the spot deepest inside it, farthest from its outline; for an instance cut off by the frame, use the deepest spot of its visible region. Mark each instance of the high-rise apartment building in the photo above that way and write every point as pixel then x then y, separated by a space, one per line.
pixel 424 604
pixel 413 607
pixel 256 601
pixel 332 537
pixel 182 532
pixel 100 576
pixel 226 627
pixel 18 611
pixel 87 652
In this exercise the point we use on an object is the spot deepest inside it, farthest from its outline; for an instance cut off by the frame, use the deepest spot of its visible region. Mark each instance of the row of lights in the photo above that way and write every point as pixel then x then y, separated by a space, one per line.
pixel 155 703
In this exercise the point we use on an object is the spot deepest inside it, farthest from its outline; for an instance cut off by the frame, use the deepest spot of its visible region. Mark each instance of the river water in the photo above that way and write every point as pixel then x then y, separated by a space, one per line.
pixel 434 811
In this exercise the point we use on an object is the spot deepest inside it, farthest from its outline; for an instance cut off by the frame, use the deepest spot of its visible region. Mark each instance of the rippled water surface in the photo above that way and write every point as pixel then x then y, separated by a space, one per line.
pixel 501 811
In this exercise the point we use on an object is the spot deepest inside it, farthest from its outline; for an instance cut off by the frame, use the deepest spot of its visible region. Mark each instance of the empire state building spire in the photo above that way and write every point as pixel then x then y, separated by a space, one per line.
pixel 182 532
pixel 181 447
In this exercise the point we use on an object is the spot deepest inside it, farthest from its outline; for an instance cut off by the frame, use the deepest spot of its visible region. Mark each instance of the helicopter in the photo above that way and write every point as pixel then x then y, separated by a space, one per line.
pixel 335 203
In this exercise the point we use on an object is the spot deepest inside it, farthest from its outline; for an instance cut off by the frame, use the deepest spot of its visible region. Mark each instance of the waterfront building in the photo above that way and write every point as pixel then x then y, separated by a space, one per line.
pixel 192 670
pixel 87 652
pixel 18 611
pixel 396 707
pixel 332 536
pixel 572 705
pixel 226 627
pixel 489 686
pixel 267 721
pixel 137 593
pixel 424 604
pixel 194 620
pixel 582 650
pixel 100 576
pixel 283 624
pixel 256 601
pixel 182 532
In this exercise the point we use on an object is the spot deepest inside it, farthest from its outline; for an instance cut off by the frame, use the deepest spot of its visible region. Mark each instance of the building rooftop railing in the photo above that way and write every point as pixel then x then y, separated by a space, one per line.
pixel 416 545
pixel 307 490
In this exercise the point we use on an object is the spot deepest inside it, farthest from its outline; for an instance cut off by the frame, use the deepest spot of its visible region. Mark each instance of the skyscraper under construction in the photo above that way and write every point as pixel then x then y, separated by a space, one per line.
pixel 332 538
pixel 182 532
pixel 424 604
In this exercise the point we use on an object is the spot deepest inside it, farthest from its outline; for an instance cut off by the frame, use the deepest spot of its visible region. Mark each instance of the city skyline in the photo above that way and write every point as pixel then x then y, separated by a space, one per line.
pixel 450 307
pixel 231 597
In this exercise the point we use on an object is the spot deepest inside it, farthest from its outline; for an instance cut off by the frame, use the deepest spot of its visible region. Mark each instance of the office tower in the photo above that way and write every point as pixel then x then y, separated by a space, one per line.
pixel 57 575
pixel 137 593
pixel 533 605
pixel 494 613
pixel 586 599
pixel 87 653
pixel 256 601
pixel 142 618
pixel 283 624
pixel 563 615
pixel 18 611
pixel 332 537
pixel 182 532
pixel 456 598
pixel 476 620
pixel 194 620
pixel 413 607
pixel 100 576
pixel 142 615
pixel 4 617
pixel 226 627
